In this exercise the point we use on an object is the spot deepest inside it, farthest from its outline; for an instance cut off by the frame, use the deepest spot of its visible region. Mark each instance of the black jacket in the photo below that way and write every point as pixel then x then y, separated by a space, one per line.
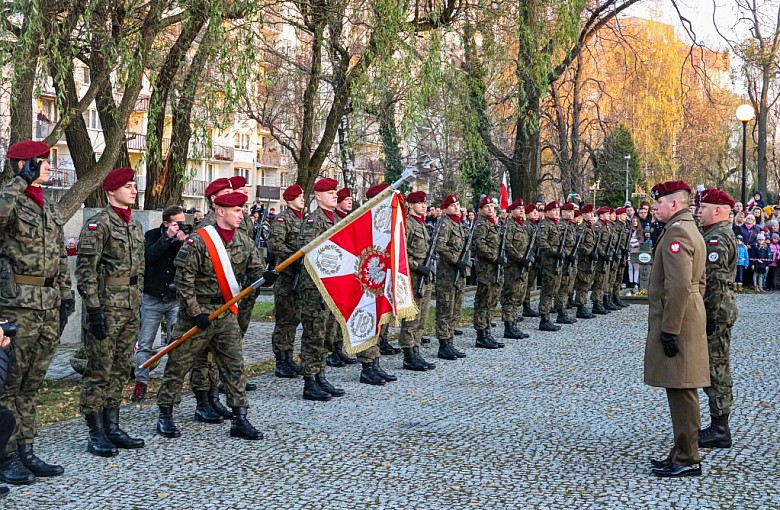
pixel 160 250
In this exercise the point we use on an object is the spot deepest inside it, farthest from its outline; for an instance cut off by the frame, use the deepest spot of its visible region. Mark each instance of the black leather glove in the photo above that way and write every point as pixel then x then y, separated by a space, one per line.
pixel 297 265
pixel 560 256
pixel 30 171
pixel 202 321
pixel 570 258
pixel 594 255
pixel 423 270
pixel 501 260
pixel 269 278
pixel 462 265
pixel 66 310
pixel 98 325
pixel 669 343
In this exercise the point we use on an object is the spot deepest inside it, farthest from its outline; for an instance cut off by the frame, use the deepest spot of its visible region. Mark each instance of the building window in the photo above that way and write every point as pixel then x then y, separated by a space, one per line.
pixel 54 157
pixel 260 142
pixel 86 75
pixel 209 172
pixel 284 181
pixel 92 119
pixel 241 141
pixel 243 172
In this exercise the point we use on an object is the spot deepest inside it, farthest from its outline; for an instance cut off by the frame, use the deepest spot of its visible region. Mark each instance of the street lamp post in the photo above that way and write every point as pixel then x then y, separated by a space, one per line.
pixel 627 158
pixel 745 114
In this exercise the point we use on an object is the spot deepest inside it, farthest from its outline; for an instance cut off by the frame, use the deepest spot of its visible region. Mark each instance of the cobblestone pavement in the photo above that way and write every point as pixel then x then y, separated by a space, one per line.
pixel 560 420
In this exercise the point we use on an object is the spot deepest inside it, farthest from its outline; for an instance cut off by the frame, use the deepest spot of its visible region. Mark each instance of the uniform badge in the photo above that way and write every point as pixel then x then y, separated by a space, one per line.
pixel 713 242
pixel 190 240
pixel 280 220
pixel 675 247
pixel 309 222
pixel 713 257
pixel 92 226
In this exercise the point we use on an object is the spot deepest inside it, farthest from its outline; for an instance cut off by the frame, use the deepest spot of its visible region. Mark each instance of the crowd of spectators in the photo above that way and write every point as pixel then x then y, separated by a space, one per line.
pixel 757 228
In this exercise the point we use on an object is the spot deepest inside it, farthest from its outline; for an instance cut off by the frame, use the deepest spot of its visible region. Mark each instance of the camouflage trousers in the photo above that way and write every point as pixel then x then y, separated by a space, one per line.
pixel 486 298
pixel 315 345
pixel 532 273
pixel 616 277
pixel 34 344
pixel 584 282
pixel 449 301
pixel 551 282
pixel 204 374
pixel 287 314
pixel 600 276
pixel 245 307
pixel 370 354
pixel 333 331
pixel 109 361
pixel 719 392
pixel 412 329
pixel 513 292
pixel 223 337
pixel 568 278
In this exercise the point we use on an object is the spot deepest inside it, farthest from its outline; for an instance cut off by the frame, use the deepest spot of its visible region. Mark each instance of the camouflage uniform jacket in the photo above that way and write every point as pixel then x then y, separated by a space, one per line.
pixel 110 248
pixel 719 300
pixel 31 244
pixel 549 238
pixel 570 229
pixel 195 275
pixel 247 227
pixel 601 229
pixel 283 240
pixel 417 242
pixel 452 239
pixel 517 239
pixel 621 249
pixel 588 243
pixel 315 224
pixel 487 242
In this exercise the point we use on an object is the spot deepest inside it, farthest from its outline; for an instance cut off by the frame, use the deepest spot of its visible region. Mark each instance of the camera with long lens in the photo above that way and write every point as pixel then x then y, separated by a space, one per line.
pixel 187 229
pixel 9 328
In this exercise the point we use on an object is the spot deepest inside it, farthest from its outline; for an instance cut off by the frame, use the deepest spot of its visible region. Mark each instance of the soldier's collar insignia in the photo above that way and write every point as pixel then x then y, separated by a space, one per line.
pixel 675 247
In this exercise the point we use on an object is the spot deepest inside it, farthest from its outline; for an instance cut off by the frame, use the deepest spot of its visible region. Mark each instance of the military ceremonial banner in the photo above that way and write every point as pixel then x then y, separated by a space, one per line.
pixel 362 272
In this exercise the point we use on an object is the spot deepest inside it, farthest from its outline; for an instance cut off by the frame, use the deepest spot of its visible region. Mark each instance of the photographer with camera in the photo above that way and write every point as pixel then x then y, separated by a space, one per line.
pixel 159 298
pixel 7 420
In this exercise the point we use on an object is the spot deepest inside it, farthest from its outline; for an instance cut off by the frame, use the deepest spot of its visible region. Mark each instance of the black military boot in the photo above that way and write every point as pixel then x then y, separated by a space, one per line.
pixel 13 471
pixel 529 312
pixel 327 386
pixel 490 338
pixel 609 305
pixel 217 405
pixel 563 318
pixel 445 352
pixel 36 466
pixel 165 425
pixel 412 362
pixel 519 318
pixel 339 350
pixel 283 369
pixel 98 444
pixel 369 376
pixel 483 342
pixel 422 360
pixel 547 325
pixel 334 361
pixel 457 332
pixel 598 308
pixel 312 390
pixel 240 426
pixel 425 340
pixel 511 331
pixel 203 410
pixel 570 302
pixel 619 302
pixel 454 350
pixel 717 435
pixel 250 386
pixel 387 376
pixel 385 348
pixel 288 356
pixel 115 434
pixel 583 312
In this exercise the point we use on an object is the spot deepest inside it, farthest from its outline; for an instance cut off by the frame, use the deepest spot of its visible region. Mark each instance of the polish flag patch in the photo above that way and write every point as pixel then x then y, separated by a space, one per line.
pixel 675 247
pixel 92 226
pixel 713 242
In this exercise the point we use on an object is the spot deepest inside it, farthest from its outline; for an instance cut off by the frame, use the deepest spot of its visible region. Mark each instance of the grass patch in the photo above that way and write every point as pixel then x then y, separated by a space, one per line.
pixel 263 312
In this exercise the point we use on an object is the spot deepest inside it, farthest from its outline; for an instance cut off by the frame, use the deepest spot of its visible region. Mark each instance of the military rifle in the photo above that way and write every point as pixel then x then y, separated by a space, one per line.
pixel 502 251
pixel 607 256
pixel 430 257
pixel 573 257
pixel 561 247
pixel 529 258
pixel 594 255
pixel 466 253
pixel 262 231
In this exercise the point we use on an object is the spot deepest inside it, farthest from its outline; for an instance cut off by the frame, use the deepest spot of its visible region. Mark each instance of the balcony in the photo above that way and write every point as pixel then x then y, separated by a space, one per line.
pixel 62 178
pixel 221 153
pixel 269 158
pixel 136 141
pixel 141 103
pixel 43 128
pixel 268 192
pixel 194 188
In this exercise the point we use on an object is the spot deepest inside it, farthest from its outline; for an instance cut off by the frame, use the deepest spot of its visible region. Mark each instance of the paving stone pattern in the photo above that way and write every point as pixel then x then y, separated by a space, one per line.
pixel 560 420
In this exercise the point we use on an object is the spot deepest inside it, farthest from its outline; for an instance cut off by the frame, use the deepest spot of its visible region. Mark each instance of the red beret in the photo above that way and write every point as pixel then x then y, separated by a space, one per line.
pixel 577 213
pixel 602 210
pixel 27 149
pixel 669 187
pixel 326 184
pixel 530 208
pixel 117 178
pixel 216 186
pixel 376 189
pixel 620 210
pixel 717 197
pixel 514 205
pixel 448 201
pixel 292 192
pixel 237 181
pixel 552 205
pixel 587 208
pixel 232 199
pixel 343 193
pixel 415 197
pixel 611 209
pixel 568 207
pixel 487 199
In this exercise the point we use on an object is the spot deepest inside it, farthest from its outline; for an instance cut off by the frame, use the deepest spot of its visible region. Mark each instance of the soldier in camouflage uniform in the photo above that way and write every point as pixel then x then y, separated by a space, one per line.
pixel 487 246
pixel 569 266
pixel 532 214
pixel 622 226
pixel 247 227
pixel 200 295
pixel 35 292
pixel 612 255
pixel 551 262
pixel 283 242
pixel 515 271
pixel 586 263
pixel 721 309
pixel 449 295
pixel 417 245
pixel 603 238
pixel 109 276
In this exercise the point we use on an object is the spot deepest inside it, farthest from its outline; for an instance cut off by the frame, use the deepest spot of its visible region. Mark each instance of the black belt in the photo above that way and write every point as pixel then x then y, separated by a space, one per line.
pixel 206 300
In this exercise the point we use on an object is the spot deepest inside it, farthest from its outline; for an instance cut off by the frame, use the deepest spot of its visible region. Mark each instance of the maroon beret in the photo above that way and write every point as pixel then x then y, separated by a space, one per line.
pixel 514 205
pixel 611 209
pixel 620 210
pixel 376 189
pixel 415 197
pixel 232 199
pixel 117 178
pixel 292 192
pixel 669 187
pixel 568 207
pixel 552 205
pixel 216 186
pixel 326 184
pixel 487 199
pixel 343 193
pixel 448 201
pixel 27 149
pixel 587 208
pixel 237 181
pixel 577 213
pixel 602 210
pixel 717 197
pixel 530 208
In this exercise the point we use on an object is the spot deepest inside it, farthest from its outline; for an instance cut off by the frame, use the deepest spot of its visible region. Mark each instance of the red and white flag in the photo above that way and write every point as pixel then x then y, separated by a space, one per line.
pixel 504 194
pixel 363 274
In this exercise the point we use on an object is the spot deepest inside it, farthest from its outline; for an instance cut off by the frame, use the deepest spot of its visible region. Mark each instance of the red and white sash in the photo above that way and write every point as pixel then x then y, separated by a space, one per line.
pixel 221 262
